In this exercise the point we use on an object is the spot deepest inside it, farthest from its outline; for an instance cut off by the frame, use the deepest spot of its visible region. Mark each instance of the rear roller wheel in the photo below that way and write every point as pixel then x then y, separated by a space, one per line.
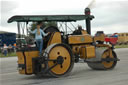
pixel 60 60
pixel 104 65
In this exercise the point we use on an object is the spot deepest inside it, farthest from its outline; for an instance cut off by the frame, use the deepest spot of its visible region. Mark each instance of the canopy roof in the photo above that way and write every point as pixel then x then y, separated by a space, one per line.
pixel 59 18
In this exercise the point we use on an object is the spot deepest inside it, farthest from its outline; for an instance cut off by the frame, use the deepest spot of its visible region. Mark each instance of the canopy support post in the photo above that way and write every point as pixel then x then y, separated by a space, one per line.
pixel 18 26
pixel 19 33
pixel 66 27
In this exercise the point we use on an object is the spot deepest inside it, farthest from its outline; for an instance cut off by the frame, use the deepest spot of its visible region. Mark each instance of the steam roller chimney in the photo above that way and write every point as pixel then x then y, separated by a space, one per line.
pixel 88 20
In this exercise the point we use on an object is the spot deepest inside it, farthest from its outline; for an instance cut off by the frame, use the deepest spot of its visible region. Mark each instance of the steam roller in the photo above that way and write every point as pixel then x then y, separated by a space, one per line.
pixel 62 49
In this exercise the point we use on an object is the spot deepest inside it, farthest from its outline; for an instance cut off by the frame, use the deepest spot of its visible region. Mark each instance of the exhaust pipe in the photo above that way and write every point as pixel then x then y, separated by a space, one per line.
pixel 88 20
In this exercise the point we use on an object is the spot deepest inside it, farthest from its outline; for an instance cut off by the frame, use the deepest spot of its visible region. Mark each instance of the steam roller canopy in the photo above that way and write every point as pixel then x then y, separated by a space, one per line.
pixel 103 65
pixel 60 60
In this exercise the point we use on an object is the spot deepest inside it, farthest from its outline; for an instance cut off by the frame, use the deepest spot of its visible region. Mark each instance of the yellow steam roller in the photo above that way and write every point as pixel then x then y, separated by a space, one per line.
pixel 62 47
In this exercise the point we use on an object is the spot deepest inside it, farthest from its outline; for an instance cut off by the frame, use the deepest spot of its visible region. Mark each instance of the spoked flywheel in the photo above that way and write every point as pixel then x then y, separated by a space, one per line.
pixel 60 60
pixel 108 60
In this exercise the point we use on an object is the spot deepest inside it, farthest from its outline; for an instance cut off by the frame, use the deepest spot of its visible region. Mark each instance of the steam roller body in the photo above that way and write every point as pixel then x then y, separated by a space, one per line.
pixel 61 49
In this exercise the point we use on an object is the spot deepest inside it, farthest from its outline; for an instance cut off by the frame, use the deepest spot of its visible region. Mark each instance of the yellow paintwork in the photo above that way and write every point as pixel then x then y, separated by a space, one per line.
pixel 21 61
pixel 20 57
pixel 104 45
pixel 76 49
pixel 100 38
pixel 80 39
pixel 84 32
pixel 29 55
pixel 87 52
pixel 55 38
pixel 108 64
pixel 59 51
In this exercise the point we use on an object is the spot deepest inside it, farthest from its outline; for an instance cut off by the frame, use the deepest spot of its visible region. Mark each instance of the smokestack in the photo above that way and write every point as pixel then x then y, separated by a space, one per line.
pixel 88 24
pixel 88 20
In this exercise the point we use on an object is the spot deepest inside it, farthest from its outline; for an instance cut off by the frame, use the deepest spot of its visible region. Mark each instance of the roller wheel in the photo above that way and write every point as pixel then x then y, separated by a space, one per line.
pixel 104 65
pixel 60 60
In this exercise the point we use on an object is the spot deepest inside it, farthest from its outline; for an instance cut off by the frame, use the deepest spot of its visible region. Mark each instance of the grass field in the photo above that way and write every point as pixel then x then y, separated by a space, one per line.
pixel 8 55
pixel 121 46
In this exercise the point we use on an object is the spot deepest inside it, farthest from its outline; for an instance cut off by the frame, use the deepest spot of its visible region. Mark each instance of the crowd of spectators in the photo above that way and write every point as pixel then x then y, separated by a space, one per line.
pixel 6 50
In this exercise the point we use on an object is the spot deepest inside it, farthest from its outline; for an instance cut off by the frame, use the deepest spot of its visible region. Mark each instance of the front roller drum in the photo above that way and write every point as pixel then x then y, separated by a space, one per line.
pixel 104 65
pixel 60 60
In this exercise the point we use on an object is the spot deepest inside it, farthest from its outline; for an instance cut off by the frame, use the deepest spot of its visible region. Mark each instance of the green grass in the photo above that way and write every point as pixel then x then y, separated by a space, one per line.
pixel 121 46
pixel 8 55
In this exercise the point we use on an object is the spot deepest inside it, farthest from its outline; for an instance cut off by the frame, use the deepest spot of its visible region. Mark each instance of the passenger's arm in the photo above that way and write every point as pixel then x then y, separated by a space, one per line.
pixel 33 32
pixel 44 34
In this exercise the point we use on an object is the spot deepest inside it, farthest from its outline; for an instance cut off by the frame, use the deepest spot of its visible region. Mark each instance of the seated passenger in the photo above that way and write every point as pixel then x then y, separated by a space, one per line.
pixel 78 31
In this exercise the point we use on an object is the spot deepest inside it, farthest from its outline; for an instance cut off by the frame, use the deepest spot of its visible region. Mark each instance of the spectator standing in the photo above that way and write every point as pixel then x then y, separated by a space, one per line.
pixel 14 47
pixel 5 49
pixel 115 35
pixel 9 48
pixel 1 51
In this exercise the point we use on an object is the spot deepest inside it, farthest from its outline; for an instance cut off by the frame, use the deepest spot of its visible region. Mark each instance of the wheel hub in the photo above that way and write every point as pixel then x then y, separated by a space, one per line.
pixel 60 60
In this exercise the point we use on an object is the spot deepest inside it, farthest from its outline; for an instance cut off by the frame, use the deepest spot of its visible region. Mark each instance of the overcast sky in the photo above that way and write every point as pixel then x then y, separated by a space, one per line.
pixel 110 15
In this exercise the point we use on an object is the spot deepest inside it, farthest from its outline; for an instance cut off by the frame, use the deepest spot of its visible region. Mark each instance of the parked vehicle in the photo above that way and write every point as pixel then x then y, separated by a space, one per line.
pixel 122 38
